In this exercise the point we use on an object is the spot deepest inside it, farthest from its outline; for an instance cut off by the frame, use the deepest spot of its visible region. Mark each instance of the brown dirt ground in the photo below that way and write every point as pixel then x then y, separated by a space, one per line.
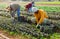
pixel 5 33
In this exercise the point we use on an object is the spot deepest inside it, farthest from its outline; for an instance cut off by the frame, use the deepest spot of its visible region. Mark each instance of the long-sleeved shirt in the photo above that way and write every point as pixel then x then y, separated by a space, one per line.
pixel 14 6
pixel 28 5
pixel 40 16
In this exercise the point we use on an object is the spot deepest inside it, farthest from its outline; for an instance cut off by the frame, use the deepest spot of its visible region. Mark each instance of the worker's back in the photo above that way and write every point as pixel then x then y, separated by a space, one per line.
pixel 40 15
pixel 29 5
pixel 14 6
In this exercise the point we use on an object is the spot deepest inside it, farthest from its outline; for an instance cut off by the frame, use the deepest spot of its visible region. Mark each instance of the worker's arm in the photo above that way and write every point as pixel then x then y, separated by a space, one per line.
pixel 7 9
pixel 45 14
pixel 36 18
pixel 42 18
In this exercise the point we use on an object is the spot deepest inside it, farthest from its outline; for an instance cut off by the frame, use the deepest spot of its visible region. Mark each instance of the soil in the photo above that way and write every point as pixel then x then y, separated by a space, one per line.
pixel 48 4
pixel 5 35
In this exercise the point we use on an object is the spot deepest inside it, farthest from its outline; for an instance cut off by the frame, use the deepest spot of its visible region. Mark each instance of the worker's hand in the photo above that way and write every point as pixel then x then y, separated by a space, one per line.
pixel 37 25
pixel 12 18
pixel 7 10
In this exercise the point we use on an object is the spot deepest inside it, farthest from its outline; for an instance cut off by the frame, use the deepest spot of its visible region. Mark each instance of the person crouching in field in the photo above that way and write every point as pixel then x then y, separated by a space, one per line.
pixel 41 16
pixel 13 7
pixel 29 6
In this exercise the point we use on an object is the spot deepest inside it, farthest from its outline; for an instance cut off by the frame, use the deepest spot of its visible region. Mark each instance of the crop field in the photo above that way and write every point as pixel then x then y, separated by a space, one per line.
pixel 29 29
pixel 47 2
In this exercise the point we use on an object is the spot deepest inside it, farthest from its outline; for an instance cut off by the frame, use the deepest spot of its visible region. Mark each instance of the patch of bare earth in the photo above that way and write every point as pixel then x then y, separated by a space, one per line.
pixel 5 35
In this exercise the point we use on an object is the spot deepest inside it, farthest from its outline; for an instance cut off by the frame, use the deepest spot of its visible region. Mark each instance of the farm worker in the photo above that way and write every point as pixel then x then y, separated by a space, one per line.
pixel 29 6
pixel 33 4
pixel 13 7
pixel 40 16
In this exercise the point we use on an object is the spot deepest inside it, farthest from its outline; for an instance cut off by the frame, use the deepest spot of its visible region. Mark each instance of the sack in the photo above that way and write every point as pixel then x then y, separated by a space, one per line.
pixel 22 19
pixel 33 20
